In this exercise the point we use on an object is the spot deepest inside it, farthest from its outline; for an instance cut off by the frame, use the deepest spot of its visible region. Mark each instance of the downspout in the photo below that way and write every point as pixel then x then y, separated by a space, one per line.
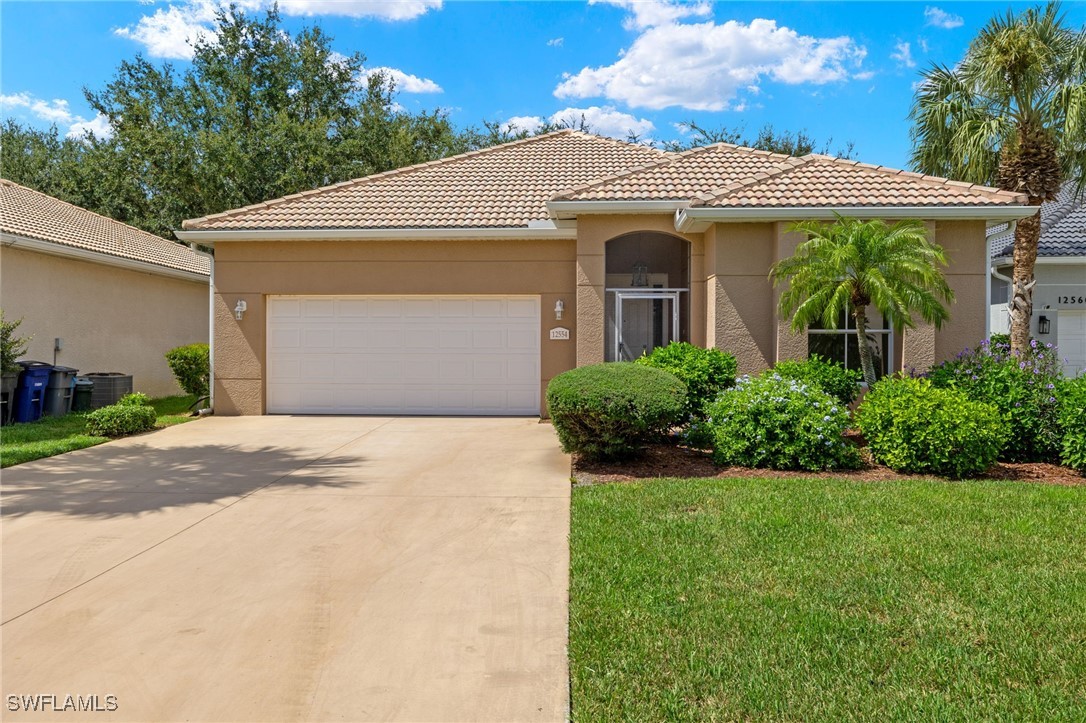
pixel 1012 225
pixel 210 329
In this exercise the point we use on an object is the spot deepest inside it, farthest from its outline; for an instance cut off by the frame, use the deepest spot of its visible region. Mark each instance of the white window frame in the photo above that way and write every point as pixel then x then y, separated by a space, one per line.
pixel 850 320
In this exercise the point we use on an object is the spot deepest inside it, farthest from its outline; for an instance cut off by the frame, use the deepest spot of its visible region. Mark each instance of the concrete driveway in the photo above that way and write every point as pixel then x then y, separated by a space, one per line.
pixel 292 568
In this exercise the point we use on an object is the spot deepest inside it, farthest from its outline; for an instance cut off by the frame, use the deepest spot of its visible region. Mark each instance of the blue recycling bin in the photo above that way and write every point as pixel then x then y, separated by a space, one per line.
pixel 30 394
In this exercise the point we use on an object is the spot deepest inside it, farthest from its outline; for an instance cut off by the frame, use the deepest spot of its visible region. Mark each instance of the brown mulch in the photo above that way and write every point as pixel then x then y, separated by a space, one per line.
pixel 667 460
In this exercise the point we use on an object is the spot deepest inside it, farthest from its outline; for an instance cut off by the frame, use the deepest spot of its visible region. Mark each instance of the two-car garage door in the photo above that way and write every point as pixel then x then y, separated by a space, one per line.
pixel 403 355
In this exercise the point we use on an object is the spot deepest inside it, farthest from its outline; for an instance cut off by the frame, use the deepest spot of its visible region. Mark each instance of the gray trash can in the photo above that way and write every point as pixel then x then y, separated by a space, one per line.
pixel 59 393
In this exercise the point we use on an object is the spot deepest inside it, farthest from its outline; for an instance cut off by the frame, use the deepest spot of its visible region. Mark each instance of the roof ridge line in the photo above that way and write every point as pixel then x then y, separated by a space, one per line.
pixel 95 213
pixel 787 166
pixel 190 223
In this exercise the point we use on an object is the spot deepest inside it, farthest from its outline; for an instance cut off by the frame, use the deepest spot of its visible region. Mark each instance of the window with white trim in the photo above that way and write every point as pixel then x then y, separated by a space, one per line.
pixel 841 344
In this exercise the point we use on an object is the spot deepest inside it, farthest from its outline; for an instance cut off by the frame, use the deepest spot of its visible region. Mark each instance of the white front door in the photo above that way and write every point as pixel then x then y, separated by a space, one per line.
pixel 1071 340
pixel 403 355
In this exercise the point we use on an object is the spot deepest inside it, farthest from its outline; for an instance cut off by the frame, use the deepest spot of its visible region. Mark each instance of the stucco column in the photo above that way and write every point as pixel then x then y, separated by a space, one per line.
pixel 698 307
pixel 591 316
pixel 789 345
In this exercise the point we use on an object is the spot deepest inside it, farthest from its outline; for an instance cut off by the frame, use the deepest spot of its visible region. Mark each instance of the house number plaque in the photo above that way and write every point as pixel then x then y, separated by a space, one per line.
pixel 559 333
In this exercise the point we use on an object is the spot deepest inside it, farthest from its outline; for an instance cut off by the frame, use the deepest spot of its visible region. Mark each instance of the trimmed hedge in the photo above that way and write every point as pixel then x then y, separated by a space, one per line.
pixel 912 425
pixel 191 365
pixel 705 372
pixel 1072 396
pixel 608 411
pixel 130 415
pixel 830 376
pixel 770 421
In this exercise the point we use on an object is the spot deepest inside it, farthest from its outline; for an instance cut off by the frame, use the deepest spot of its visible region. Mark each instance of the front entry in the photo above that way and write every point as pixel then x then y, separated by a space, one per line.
pixel 643 320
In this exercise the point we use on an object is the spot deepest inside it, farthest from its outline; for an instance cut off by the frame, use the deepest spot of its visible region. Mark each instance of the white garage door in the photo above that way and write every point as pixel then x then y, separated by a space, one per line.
pixel 1071 340
pixel 403 355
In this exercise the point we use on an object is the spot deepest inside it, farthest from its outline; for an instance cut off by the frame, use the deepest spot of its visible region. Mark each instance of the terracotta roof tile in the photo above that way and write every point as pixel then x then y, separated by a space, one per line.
pixel 26 212
pixel 502 186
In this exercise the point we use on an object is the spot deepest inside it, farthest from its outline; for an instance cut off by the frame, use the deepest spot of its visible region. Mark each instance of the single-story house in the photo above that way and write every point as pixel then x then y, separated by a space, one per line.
pixel 116 297
pixel 462 286
pixel 1059 296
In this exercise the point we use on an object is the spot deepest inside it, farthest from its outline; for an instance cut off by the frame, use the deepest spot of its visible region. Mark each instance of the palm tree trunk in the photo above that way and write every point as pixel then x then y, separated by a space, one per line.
pixel 866 361
pixel 1026 237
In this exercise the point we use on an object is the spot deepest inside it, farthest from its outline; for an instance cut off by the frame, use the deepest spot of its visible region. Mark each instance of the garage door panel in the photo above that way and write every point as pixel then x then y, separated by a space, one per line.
pixel 1071 341
pixel 403 355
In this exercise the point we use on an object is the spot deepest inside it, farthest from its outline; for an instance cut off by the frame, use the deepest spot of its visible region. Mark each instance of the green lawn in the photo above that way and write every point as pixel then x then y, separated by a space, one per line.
pixel 824 600
pixel 55 435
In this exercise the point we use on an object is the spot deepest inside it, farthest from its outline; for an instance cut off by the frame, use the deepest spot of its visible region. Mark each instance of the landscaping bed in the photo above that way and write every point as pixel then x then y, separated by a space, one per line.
pixel 669 460
pixel 816 598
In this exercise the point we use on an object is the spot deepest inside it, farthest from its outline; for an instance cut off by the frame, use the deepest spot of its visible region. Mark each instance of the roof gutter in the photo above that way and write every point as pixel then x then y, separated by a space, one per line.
pixel 695 220
pixel 97 257
pixel 210 236
pixel 570 209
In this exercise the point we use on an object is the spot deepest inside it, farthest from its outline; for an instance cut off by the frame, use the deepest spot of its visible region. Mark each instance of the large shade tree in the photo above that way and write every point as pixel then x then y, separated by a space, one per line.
pixel 1011 114
pixel 848 265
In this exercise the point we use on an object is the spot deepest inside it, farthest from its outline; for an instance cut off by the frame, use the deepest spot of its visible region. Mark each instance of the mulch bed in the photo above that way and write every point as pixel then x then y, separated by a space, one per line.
pixel 666 460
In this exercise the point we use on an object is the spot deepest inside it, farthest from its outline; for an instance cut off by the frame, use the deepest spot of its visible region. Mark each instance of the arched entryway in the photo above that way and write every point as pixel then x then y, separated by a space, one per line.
pixel 647 293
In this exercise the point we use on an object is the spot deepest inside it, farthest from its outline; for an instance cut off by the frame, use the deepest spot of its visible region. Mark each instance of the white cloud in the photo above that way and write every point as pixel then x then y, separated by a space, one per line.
pixel 942 19
pixel 56 111
pixel 98 126
pixel 170 32
pixel 651 13
pixel 530 123
pixel 903 54
pixel 404 82
pixel 555 42
pixel 703 66
pixel 604 120
pixel 378 9
pixel 52 111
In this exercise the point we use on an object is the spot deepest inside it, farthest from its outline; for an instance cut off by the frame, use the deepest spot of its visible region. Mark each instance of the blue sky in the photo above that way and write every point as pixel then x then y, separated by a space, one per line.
pixel 843 70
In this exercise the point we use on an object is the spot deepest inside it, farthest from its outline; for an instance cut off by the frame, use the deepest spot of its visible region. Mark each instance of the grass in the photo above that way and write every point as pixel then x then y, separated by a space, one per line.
pixel 50 436
pixel 787 600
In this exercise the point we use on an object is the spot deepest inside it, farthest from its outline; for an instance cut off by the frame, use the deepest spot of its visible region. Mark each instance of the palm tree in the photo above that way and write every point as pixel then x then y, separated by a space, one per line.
pixel 1011 114
pixel 849 265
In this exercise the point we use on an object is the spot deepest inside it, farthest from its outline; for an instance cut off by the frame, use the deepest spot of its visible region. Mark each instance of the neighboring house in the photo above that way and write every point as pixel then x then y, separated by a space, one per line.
pixel 462 286
pixel 118 298
pixel 1059 297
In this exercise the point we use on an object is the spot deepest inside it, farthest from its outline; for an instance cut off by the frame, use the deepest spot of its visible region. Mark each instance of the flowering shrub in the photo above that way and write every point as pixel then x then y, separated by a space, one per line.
pixel 705 372
pixel 772 421
pixel 913 426
pixel 1021 386
pixel 1072 396
pixel 830 376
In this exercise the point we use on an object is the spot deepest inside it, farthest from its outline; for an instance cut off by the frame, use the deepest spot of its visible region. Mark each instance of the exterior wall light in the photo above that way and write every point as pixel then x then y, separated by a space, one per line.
pixel 559 307
pixel 240 309
pixel 1044 326
pixel 640 275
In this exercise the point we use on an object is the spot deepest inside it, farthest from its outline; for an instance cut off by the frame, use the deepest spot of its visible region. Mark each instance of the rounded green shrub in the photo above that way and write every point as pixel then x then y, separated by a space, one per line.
pixel 121 419
pixel 191 365
pixel 1072 397
pixel 911 425
pixel 1021 386
pixel 135 399
pixel 780 423
pixel 609 411
pixel 705 372
pixel 830 376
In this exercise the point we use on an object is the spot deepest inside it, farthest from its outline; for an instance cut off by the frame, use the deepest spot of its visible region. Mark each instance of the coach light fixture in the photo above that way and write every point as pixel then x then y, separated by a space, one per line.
pixel 559 307
pixel 240 309
pixel 640 275
pixel 1044 326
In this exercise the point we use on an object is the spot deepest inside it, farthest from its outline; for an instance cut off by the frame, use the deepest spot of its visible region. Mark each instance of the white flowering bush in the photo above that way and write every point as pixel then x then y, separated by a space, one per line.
pixel 771 421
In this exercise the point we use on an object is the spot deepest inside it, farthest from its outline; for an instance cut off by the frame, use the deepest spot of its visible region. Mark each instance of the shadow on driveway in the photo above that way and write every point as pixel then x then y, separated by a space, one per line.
pixel 114 480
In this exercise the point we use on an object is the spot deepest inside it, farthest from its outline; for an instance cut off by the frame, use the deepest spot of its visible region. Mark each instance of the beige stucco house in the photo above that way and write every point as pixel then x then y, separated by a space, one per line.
pixel 464 285
pixel 118 298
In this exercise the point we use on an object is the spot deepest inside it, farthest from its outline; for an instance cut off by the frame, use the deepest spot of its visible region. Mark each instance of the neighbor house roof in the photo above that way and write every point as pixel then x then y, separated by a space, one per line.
pixel 1063 227
pixel 519 184
pixel 30 214
pixel 498 187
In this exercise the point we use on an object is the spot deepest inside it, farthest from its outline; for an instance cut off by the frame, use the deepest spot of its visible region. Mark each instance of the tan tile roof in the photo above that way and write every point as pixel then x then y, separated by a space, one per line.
pixel 680 176
pixel 26 212
pixel 826 181
pixel 502 186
